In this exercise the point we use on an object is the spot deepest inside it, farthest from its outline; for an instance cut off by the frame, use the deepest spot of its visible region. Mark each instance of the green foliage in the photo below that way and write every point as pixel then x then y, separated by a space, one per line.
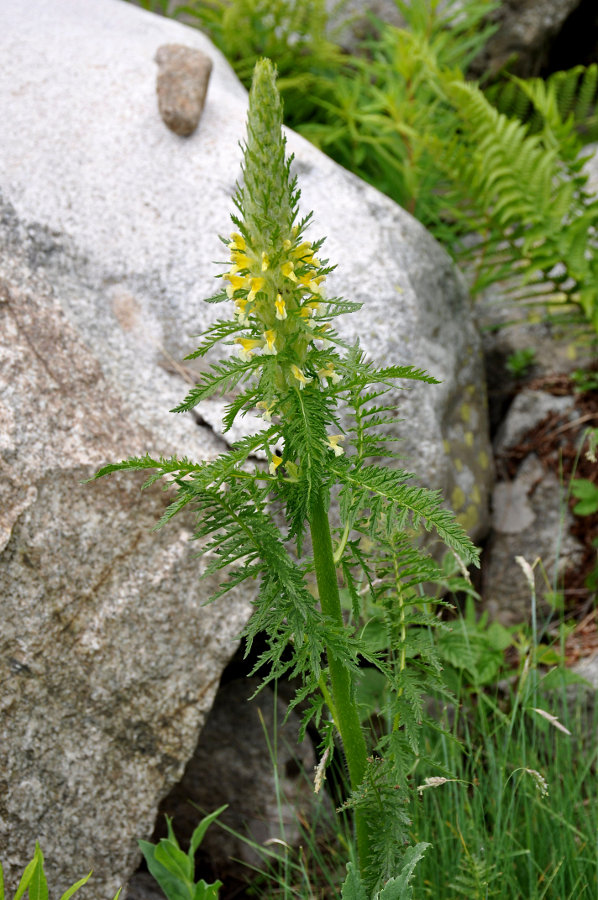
pixel 521 361
pixel 294 34
pixel 397 888
pixel 586 492
pixel 33 882
pixel 174 870
pixel 325 405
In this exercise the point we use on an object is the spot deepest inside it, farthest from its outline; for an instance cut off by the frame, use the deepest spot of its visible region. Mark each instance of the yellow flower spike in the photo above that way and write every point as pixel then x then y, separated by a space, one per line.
pixel 256 284
pixel 270 337
pixel 301 378
pixel 274 464
pixel 265 261
pixel 247 347
pixel 237 241
pixel 287 271
pixel 333 441
pixel 281 309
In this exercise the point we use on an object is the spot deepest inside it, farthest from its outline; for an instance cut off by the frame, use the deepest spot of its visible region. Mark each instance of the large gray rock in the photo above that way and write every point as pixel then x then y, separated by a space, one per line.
pixel 526 32
pixel 109 227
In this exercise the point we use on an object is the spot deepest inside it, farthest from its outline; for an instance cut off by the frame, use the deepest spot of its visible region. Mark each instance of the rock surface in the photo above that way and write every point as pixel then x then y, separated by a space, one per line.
pixel 233 764
pixel 182 83
pixel 530 517
pixel 109 226
pixel 526 32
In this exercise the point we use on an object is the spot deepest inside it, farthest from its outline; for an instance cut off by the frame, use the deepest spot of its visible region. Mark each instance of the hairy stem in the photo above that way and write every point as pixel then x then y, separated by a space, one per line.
pixel 345 709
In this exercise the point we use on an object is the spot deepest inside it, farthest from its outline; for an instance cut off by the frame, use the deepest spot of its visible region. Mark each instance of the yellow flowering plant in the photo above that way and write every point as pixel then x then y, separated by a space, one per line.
pixel 323 412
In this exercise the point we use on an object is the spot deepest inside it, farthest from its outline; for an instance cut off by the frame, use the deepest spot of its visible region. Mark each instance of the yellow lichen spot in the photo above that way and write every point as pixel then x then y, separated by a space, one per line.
pixel 470 389
pixel 475 495
pixel 469 518
pixel 483 459
pixel 468 438
pixel 571 351
pixel 457 497
pixel 458 464
pixel 465 412
pixel 446 446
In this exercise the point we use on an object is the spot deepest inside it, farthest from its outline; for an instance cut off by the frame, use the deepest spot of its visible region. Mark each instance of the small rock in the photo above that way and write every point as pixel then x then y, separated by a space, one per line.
pixel 182 84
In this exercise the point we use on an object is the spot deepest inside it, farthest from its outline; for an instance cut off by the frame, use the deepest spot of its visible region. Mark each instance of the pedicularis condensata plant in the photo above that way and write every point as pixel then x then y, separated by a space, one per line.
pixel 321 406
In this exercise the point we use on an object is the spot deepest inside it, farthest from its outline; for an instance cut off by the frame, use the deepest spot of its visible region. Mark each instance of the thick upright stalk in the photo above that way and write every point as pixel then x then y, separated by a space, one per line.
pixel 340 678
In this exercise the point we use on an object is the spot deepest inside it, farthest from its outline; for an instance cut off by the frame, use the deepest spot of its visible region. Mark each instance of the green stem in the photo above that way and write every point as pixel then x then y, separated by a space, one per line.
pixel 345 710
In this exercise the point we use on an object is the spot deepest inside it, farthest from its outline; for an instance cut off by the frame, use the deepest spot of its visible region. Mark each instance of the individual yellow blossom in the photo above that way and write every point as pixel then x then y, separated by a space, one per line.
pixel 247 347
pixel 287 271
pixel 237 282
pixel 241 305
pixel 237 241
pixel 241 261
pixel 303 250
pixel 274 464
pixel 265 261
pixel 256 285
pixel 333 441
pixel 267 410
pixel 270 337
pixel 301 378
pixel 287 244
pixel 328 372
pixel 281 309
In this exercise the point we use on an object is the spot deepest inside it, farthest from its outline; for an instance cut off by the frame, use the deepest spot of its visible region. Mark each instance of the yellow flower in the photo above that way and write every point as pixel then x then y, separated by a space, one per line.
pixel 265 261
pixel 270 337
pixel 328 372
pixel 237 241
pixel 274 464
pixel 256 285
pixel 267 410
pixel 287 271
pixel 333 441
pixel 247 347
pixel 241 304
pixel 301 378
pixel 287 245
pixel 237 282
pixel 241 261
pixel 281 310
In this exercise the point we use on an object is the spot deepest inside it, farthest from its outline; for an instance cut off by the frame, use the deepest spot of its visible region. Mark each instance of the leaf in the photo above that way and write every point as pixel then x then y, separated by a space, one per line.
pixel 27 875
pixel 200 830
pixel 1 883
pixel 170 884
pixel 171 856
pixel 353 888
pixel 75 887
pixel 205 891
pixel 398 888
